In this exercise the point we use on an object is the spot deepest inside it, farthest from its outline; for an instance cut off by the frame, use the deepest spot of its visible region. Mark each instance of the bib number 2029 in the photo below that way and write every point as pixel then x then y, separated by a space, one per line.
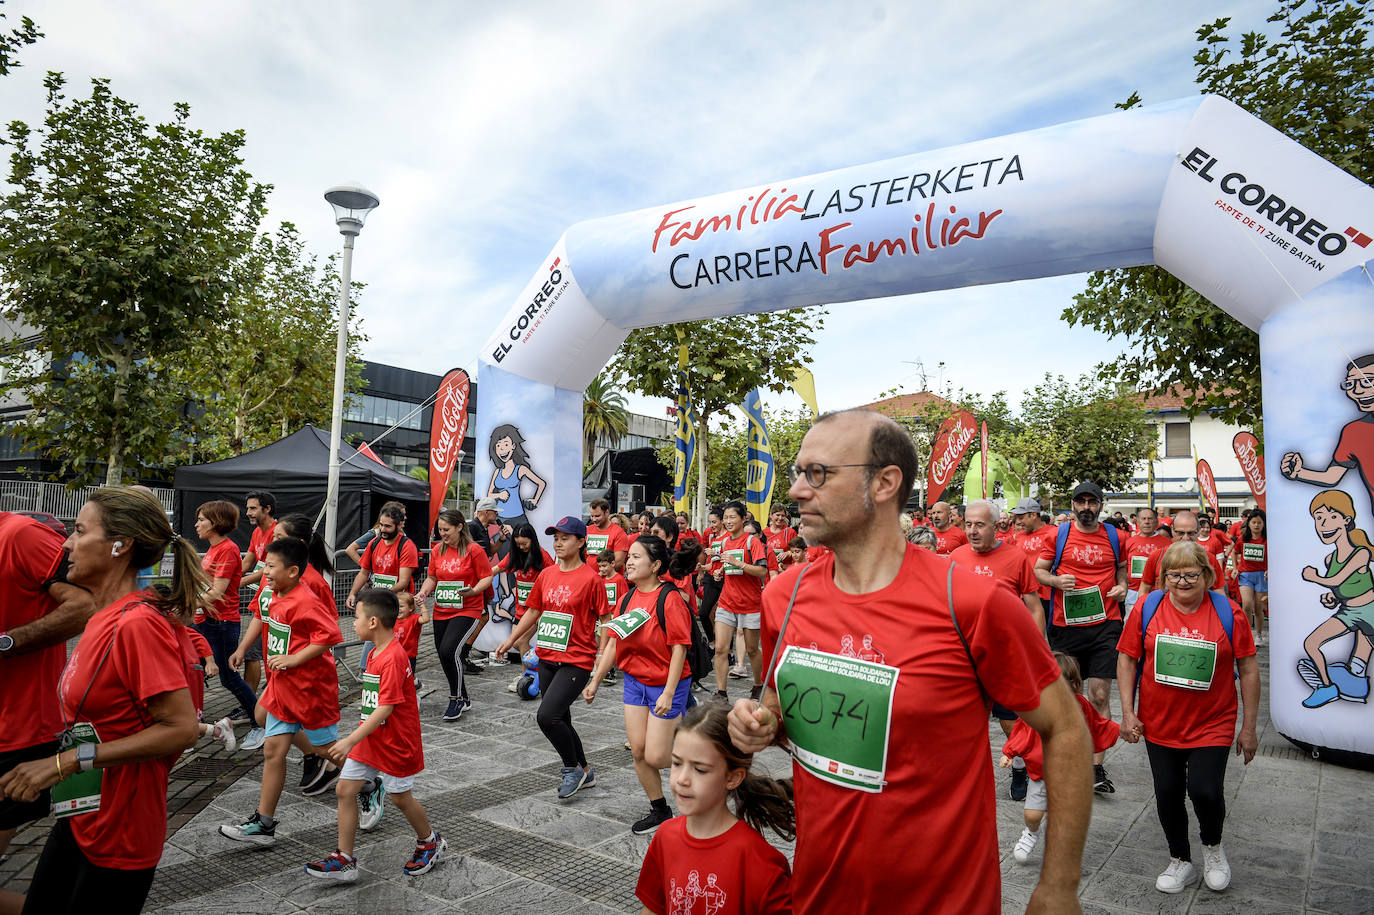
pixel 838 713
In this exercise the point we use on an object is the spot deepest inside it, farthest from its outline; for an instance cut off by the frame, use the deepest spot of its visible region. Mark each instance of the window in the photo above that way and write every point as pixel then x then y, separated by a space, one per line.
pixel 1178 440
pixel 386 411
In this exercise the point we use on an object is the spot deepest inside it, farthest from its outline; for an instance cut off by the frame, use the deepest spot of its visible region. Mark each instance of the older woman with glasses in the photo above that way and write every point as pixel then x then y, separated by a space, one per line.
pixel 1183 643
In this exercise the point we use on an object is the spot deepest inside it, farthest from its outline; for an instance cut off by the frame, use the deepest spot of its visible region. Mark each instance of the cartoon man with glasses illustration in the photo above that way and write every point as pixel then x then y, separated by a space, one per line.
pixel 1356 445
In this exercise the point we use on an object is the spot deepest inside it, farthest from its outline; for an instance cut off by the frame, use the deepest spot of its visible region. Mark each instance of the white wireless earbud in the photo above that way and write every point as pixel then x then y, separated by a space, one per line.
pixel 114 550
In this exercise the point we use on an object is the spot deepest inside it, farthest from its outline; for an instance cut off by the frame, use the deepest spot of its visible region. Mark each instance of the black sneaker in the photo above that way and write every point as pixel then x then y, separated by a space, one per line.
pixel 755 692
pixel 1020 782
pixel 454 710
pixel 329 774
pixel 240 716
pixel 1101 783
pixel 650 823
pixel 472 667
pixel 722 695
pixel 311 769
pixel 609 679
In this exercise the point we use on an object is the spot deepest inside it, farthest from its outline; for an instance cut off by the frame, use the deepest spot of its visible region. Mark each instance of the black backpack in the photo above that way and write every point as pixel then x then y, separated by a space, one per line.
pixel 700 656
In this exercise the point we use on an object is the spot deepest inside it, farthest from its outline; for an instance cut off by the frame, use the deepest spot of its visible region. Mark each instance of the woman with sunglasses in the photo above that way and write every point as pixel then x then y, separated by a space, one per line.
pixel 1192 640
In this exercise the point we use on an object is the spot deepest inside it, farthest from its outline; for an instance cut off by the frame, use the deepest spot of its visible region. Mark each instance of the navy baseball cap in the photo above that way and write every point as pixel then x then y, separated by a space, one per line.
pixel 568 525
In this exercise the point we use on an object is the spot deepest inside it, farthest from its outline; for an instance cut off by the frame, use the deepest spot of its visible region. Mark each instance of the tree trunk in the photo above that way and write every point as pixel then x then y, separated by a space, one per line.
pixel 114 467
pixel 240 421
pixel 703 444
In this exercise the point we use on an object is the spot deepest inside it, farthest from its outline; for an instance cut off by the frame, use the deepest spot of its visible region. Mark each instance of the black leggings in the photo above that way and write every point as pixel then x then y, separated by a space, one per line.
pixel 65 880
pixel 559 687
pixel 449 636
pixel 710 594
pixel 1200 773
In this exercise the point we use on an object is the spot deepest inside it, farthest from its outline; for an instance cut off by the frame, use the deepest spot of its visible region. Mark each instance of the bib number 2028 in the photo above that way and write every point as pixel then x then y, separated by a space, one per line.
pixel 838 713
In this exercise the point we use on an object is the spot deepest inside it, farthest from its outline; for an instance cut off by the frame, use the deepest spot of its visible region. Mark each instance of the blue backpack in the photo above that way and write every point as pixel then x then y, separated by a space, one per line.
pixel 1221 606
pixel 1062 538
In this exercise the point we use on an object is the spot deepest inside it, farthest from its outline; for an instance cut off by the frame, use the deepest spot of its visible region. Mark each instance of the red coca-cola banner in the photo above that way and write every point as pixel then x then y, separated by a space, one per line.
pixel 1207 483
pixel 984 459
pixel 1246 447
pixel 446 431
pixel 953 439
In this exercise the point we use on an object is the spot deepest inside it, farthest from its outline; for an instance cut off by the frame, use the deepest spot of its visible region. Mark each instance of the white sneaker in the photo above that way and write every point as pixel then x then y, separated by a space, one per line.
pixel 224 730
pixel 1216 871
pixel 496 660
pixel 1177 877
pixel 254 739
pixel 1025 845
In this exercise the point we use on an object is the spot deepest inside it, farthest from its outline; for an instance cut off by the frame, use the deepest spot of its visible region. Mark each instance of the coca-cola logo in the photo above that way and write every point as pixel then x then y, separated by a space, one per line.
pixel 958 440
pixel 453 411
pixel 1250 465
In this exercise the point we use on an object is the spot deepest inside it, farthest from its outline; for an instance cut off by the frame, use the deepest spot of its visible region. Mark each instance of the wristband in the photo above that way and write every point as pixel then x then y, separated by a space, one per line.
pixel 58 758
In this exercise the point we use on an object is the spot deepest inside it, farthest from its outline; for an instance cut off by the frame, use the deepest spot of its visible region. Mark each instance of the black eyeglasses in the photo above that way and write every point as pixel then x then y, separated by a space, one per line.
pixel 816 473
pixel 1178 578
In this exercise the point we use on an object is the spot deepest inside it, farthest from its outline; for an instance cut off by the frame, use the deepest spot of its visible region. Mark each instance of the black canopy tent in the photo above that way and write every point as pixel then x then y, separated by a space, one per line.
pixel 295 469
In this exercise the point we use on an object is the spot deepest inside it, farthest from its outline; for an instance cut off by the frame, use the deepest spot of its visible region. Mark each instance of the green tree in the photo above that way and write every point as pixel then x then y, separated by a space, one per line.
pixel 727 358
pixel 117 244
pixel 725 474
pixel 13 40
pixel 604 414
pixel 1313 82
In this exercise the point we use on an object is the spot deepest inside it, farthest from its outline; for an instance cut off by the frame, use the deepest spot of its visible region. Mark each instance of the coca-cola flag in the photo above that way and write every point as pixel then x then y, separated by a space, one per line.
pixel 953 439
pixel 446 433
pixel 1207 484
pixel 983 459
pixel 1246 447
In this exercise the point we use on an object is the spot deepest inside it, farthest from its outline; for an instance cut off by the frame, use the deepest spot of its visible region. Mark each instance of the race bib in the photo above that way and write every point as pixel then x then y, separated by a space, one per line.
pixel 257 569
pixel 447 595
pixel 596 544
pixel 1185 663
pixel 79 793
pixel 1083 607
pixel 611 588
pixel 1138 564
pixel 838 713
pixel 372 695
pixel 1252 552
pixel 715 550
pixel 626 624
pixel 383 581
pixel 734 554
pixel 522 591
pixel 554 630
pixel 278 639
pixel 777 554
pixel 265 604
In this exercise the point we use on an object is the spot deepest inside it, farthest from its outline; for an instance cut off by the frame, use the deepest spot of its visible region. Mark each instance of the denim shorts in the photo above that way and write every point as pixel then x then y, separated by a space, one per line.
pixel 1259 581
pixel 637 693
pixel 318 737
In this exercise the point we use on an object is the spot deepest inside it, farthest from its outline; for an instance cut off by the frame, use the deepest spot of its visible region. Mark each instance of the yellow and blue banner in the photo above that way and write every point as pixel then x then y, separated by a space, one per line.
pixel 758 483
pixel 685 444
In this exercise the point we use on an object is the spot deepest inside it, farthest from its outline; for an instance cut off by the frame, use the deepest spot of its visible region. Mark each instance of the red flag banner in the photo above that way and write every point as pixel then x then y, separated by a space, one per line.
pixel 953 439
pixel 984 453
pixel 446 431
pixel 366 451
pixel 1246 447
pixel 1207 483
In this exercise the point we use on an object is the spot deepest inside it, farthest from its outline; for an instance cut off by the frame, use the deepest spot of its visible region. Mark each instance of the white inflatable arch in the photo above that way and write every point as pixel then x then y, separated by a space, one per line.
pixel 1272 233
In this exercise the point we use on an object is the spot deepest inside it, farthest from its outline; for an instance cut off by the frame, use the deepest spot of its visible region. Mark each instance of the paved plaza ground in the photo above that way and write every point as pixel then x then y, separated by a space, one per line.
pixel 1296 834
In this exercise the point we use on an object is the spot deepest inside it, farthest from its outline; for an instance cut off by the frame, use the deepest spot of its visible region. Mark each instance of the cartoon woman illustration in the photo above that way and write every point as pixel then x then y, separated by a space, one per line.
pixel 507 451
pixel 1351 583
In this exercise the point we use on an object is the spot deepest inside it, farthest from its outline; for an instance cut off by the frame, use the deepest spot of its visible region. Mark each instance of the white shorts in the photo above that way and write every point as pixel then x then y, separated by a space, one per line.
pixel 739 620
pixel 1036 796
pixel 359 772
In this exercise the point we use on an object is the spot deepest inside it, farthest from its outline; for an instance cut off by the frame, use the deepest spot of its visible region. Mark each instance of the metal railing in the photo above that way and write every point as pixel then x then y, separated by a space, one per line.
pixel 56 499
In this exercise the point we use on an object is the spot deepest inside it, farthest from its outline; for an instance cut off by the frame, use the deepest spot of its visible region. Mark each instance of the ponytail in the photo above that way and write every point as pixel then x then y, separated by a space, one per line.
pixel 767 802
pixel 684 561
pixel 189 582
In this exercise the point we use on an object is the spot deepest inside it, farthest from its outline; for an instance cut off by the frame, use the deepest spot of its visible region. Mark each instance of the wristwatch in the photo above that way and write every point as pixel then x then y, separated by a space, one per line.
pixel 6 642
pixel 85 756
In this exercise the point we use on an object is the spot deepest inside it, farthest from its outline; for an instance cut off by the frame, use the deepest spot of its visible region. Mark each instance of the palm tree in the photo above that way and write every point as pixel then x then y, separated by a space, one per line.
pixel 422 473
pixel 604 415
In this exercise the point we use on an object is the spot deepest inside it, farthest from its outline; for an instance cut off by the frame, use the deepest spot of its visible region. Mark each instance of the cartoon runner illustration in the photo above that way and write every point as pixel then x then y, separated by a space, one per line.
pixel 507 452
pixel 677 896
pixel 715 896
pixel 1356 445
pixel 1351 585
pixel 869 653
pixel 847 646
pixel 693 892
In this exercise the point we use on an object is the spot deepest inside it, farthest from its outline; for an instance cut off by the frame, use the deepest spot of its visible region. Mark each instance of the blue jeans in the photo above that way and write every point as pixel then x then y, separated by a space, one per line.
pixel 223 636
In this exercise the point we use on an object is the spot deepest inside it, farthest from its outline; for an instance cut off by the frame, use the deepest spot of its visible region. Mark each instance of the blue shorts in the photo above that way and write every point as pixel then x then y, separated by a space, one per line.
pixel 1258 581
pixel 637 693
pixel 1001 712
pixel 318 737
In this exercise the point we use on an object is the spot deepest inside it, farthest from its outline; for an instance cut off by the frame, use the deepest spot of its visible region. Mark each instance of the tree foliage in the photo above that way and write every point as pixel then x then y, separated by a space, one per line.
pixel 725 472
pixel 1314 82
pixel 117 243
pixel 10 42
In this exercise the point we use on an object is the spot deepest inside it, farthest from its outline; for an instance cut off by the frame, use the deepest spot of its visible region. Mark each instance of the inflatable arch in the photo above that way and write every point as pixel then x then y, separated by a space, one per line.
pixel 1010 472
pixel 1266 229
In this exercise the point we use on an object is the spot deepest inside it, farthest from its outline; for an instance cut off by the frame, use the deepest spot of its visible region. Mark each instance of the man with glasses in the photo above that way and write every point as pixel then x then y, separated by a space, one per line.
pixel 1089 581
pixel 1139 548
pixel 1185 528
pixel 1356 445
pixel 892 755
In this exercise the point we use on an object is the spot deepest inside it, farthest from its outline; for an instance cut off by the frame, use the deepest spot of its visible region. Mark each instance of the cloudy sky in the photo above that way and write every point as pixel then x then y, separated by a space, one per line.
pixel 487 129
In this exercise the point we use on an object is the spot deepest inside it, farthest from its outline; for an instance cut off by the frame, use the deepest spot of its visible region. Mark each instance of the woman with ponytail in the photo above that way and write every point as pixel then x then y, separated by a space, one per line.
pixel 711 852
pixel 126 709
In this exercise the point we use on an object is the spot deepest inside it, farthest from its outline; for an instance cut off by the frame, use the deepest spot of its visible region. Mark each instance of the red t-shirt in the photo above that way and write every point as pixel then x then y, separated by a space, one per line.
pixel 689 534
pixel 1151 575
pixel 1216 543
pixel 713 542
pixel 948 539
pixel 407 632
pixel 1033 544
pixel 740 592
pixel 853 850
pixel 194 651
pixel 610 537
pixel 447 565
pixel 1179 717
pixel 1024 740
pixel 816 552
pixel 646 654
pixel 777 542
pixel 223 561
pixel 258 540
pixel 581 594
pixel 687 586
pixel 1258 550
pixel 1138 550
pixel 385 561
pixel 30 554
pixel 616 588
pixel 1356 449
pixel 734 873
pixel 394 748
pixel 307 695
pixel 1088 557
pixel 145 660
pixel 1003 563
pixel 314 580
pixel 524 579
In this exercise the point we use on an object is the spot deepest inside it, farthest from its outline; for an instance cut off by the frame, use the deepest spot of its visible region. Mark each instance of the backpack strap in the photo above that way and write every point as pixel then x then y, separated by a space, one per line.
pixel 1060 540
pixel 664 589
pixel 625 601
pixel 958 630
pixel 1222 605
pixel 1114 539
pixel 1147 612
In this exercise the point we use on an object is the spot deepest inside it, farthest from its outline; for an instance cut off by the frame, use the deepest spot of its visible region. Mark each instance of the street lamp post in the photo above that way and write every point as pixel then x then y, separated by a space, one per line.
pixel 351 205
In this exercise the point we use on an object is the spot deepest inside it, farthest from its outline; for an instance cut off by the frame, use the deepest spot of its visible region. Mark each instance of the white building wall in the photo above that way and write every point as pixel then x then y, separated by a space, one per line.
pixel 1176 477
